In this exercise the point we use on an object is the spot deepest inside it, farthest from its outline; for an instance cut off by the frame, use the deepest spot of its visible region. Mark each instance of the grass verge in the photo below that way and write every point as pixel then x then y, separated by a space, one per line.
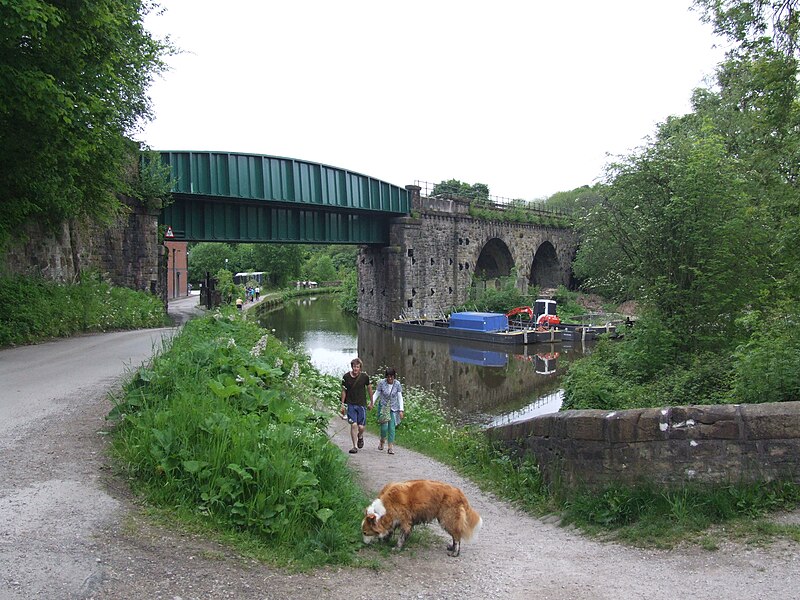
pixel 226 430
pixel 37 309
pixel 223 429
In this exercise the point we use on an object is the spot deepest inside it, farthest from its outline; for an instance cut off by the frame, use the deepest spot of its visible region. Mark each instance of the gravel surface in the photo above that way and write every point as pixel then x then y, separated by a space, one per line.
pixel 69 528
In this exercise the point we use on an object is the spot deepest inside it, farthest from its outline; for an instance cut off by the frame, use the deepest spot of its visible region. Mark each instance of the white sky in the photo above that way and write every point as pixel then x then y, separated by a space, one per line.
pixel 527 96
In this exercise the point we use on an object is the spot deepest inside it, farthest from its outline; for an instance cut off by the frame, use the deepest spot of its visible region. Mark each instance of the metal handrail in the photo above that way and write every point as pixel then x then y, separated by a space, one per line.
pixel 497 202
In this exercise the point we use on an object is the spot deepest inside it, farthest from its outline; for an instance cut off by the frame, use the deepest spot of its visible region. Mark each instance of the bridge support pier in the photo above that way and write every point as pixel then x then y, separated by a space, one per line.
pixel 380 284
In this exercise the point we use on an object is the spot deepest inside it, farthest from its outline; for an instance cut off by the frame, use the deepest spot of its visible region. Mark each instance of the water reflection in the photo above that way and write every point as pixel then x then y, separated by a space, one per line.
pixel 478 384
pixel 548 403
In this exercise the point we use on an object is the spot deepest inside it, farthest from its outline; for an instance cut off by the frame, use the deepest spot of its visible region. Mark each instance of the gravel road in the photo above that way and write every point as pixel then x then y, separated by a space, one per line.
pixel 69 527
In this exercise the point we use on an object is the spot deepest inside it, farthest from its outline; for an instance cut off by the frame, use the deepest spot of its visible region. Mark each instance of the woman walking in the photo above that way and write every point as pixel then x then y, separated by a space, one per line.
pixel 389 399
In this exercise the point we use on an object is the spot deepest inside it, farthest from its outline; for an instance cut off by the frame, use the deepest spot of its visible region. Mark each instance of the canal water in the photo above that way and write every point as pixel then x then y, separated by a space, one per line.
pixel 477 383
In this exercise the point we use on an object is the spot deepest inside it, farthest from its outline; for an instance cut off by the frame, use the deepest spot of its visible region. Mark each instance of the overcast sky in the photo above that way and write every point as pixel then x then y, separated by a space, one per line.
pixel 527 96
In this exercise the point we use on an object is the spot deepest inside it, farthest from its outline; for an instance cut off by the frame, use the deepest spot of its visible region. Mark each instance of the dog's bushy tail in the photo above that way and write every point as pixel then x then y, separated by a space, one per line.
pixel 471 522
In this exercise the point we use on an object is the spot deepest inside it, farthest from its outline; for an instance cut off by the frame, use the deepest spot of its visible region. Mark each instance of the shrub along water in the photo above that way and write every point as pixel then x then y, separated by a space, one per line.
pixel 223 425
pixel 35 309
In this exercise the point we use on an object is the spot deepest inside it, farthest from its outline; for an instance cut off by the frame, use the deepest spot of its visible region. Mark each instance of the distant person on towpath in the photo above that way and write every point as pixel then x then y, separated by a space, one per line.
pixel 356 388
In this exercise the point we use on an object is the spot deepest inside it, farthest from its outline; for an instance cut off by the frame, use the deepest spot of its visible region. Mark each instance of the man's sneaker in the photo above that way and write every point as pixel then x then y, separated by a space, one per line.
pixel 360 442
pixel 352 451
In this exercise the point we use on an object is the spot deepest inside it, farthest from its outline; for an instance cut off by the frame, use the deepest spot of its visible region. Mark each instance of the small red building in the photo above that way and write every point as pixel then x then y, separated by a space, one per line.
pixel 177 270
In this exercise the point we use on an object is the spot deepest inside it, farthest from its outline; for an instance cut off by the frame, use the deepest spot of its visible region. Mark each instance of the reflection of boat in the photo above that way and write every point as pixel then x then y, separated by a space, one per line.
pixel 545 362
pixel 485 358
pixel 478 327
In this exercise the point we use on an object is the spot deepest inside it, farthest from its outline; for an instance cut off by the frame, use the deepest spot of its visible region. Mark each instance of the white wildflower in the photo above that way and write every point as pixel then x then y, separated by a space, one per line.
pixel 260 346
pixel 295 371
pixel 231 343
pixel 278 363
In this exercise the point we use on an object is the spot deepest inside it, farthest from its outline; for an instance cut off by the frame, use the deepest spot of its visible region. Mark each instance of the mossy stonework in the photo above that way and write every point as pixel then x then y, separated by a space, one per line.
pixel 664 446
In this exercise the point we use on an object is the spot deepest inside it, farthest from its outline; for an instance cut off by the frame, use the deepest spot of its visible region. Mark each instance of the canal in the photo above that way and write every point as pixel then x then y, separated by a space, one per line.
pixel 478 384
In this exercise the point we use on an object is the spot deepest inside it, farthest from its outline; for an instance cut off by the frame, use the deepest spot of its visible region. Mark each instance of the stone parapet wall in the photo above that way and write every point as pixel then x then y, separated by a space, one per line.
pixel 667 446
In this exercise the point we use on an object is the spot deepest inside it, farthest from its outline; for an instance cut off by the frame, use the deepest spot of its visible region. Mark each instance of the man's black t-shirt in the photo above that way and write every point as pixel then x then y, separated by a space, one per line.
pixel 355 388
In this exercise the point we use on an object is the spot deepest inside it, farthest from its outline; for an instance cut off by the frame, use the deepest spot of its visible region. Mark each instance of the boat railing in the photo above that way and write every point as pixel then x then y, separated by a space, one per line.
pixel 599 319
pixel 438 317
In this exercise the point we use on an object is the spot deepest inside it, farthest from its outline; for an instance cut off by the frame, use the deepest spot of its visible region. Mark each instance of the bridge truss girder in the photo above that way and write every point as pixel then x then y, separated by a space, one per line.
pixel 193 218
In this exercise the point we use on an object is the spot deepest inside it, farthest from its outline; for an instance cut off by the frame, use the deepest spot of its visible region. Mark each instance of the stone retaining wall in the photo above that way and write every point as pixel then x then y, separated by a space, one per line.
pixel 127 252
pixel 667 446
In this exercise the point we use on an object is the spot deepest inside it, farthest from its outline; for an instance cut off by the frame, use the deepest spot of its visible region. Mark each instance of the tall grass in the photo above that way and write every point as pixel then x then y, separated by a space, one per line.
pixel 33 309
pixel 646 515
pixel 224 426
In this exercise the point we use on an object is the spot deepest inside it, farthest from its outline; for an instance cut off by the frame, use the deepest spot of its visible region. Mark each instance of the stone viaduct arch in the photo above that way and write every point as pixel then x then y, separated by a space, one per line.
pixel 432 258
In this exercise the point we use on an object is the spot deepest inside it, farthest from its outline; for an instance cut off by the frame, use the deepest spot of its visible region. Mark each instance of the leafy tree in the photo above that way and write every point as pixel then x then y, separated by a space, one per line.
pixel 282 262
pixel 348 298
pixel 246 258
pixel 343 258
pixel 454 187
pixel 324 270
pixel 751 23
pixel 702 225
pixel 150 181
pixel 580 200
pixel 328 263
pixel 73 81
pixel 228 290
pixel 209 257
pixel 676 219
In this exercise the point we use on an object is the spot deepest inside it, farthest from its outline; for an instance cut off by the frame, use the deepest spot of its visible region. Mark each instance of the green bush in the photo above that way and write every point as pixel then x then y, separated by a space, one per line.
pixel 646 515
pixel 767 366
pixel 223 425
pixel 499 299
pixel 35 309
pixel 348 299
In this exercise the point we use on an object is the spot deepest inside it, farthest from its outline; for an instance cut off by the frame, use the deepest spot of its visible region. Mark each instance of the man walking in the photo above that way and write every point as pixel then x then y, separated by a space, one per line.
pixel 355 387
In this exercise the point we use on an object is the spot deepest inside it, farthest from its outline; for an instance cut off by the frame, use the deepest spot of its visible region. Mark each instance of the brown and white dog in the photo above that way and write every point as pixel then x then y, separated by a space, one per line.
pixel 403 505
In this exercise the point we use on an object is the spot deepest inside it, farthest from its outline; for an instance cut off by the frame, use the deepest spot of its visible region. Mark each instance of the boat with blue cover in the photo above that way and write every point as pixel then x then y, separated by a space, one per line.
pixel 485 327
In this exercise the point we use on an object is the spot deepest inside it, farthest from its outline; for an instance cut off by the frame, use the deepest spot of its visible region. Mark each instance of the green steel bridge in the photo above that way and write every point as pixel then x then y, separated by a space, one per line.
pixel 227 197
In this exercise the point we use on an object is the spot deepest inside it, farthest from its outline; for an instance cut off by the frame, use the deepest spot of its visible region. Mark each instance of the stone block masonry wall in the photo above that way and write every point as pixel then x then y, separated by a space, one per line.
pixel 429 265
pixel 127 252
pixel 668 446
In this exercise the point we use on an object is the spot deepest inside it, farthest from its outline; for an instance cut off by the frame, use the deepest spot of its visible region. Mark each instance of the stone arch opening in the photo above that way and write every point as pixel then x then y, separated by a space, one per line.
pixel 494 261
pixel 545 270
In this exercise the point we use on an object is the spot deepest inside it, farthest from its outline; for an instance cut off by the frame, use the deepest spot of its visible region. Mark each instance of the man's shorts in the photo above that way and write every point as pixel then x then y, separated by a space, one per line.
pixel 357 414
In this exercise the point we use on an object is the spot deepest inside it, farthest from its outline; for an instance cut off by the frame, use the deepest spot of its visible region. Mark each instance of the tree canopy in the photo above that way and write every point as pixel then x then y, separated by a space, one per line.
pixel 701 225
pixel 454 187
pixel 73 84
